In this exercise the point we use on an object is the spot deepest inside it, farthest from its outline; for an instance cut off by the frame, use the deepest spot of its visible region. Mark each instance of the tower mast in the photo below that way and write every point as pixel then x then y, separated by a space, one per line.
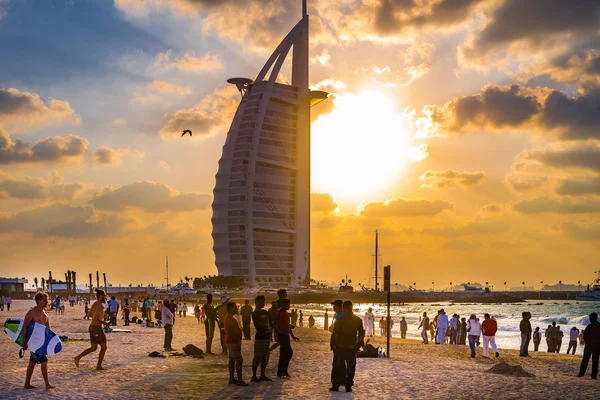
pixel 376 260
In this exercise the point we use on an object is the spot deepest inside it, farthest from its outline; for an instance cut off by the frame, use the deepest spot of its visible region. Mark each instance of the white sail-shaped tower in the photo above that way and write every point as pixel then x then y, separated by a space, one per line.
pixel 261 206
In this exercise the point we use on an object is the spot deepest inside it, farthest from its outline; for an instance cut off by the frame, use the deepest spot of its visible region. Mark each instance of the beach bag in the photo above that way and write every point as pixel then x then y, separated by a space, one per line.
pixel 191 350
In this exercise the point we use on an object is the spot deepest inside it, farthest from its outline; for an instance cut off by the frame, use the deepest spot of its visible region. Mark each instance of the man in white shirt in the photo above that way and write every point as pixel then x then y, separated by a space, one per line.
pixel 442 327
pixel 573 336
pixel 167 321
pixel 452 326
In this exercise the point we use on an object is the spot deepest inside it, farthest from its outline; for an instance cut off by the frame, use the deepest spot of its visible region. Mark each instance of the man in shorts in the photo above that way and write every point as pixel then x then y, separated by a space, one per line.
pixel 97 336
pixel 233 340
pixel 37 314
pixel 262 339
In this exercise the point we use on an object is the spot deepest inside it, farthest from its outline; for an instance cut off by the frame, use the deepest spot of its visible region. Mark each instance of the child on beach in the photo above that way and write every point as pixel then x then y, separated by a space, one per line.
pixel 86 310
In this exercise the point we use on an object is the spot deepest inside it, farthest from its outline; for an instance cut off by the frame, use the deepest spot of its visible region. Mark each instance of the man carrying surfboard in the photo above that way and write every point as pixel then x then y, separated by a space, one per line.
pixel 97 336
pixel 37 314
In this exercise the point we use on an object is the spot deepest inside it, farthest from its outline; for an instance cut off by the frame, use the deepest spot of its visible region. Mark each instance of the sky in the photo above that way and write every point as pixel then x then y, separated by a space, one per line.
pixel 465 131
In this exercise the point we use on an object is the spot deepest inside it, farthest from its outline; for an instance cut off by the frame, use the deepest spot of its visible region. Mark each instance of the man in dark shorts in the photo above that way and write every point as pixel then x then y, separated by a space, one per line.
pixel 246 313
pixel 337 376
pixel 36 314
pixel 591 336
pixel 97 336
pixel 209 322
pixel 262 339
pixel 348 337
pixel 233 341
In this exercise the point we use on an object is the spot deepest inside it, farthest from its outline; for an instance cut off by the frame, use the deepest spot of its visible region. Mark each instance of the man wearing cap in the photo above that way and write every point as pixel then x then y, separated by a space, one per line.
pixel 337 376
pixel 221 314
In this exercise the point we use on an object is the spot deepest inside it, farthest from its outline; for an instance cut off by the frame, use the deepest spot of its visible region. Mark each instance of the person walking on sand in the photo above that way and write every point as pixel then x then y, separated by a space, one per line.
pixel 370 322
pixel 97 336
pixel 403 328
pixel 126 309
pixel 311 321
pixel 167 321
pixel 489 327
pixel 382 326
pixel 294 316
pixel 262 339
pixel 284 332
pixel 591 336
pixel 537 338
pixel 38 315
pixel 573 336
pixel 197 312
pixel 273 321
pixel 2 302
pixel 474 329
pixel 425 325
pixel 8 302
pixel 348 336
pixel 184 310
pixel 233 340
pixel 525 328
pixel 246 313
pixel 209 322
pixel 326 321
pixel 301 320
pixel 114 310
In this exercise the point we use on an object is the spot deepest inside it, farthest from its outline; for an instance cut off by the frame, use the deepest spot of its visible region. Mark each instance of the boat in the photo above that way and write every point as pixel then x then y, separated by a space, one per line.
pixel 471 289
pixel 592 293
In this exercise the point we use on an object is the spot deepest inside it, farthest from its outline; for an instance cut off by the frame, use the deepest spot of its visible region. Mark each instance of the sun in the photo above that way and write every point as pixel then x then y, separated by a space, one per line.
pixel 360 148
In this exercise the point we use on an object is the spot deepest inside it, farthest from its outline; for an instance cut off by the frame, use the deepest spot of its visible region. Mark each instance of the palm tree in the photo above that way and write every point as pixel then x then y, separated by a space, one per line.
pixel 396 284
pixel 349 281
pixel 35 280
pixel 43 284
pixel 74 280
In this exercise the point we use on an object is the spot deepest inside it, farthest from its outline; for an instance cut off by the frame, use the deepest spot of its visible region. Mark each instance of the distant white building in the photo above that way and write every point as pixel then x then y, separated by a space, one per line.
pixel 261 207
pixel 11 285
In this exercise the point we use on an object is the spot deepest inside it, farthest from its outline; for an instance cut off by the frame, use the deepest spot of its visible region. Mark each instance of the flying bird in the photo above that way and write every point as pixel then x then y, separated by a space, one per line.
pixel 186 131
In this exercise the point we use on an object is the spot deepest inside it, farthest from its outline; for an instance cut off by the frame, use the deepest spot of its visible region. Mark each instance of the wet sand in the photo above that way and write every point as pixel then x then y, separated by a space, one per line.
pixel 414 370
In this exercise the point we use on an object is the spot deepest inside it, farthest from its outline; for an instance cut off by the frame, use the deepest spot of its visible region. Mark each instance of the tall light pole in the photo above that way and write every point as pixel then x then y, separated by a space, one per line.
pixel 433 286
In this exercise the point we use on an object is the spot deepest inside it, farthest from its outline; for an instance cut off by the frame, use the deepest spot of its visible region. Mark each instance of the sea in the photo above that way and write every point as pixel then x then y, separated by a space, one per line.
pixel 566 313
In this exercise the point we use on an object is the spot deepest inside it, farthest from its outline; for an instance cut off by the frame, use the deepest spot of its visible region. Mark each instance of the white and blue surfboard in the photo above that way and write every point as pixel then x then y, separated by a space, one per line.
pixel 40 339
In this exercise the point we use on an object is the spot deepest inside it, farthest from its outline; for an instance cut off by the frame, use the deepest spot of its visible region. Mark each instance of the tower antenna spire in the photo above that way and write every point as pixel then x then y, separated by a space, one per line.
pixel 304 9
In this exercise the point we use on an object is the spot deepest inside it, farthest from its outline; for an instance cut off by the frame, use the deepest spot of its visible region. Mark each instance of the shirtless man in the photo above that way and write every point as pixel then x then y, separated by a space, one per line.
pixel 97 337
pixel 37 314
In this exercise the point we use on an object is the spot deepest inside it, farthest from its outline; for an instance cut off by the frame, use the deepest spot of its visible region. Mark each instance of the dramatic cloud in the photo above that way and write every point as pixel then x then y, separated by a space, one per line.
pixel 400 207
pixel 584 156
pixel 37 188
pixel 557 206
pixel 472 228
pixel 522 183
pixel 450 177
pixel 166 87
pixel 108 156
pixel 150 197
pixel 517 26
pixel 214 111
pixel 23 108
pixel 514 107
pixel 579 187
pixel 55 150
pixel 323 203
pixel 391 17
pixel 189 63
pixel 62 220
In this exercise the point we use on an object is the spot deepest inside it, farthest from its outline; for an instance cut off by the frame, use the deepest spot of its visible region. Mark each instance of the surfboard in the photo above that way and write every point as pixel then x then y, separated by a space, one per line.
pixel 40 339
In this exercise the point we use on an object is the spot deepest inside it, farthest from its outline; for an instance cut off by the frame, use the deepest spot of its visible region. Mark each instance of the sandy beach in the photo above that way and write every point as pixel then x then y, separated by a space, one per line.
pixel 414 370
